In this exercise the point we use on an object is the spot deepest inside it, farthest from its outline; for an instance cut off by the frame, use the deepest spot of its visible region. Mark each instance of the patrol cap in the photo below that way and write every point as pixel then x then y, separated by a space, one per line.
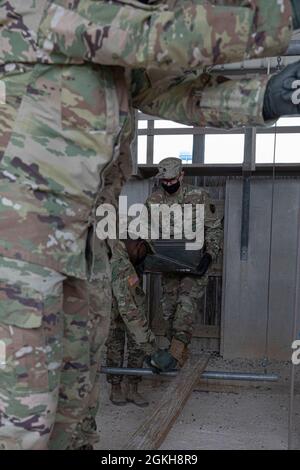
pixel 169 168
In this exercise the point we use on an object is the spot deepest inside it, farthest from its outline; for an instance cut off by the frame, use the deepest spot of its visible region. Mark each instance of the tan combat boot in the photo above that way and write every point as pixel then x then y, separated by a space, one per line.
pixel 117 396
pixel 133 396
pixel 179 351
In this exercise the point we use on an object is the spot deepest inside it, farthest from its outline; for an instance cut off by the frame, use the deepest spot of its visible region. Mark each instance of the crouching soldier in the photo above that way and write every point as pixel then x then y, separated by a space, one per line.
pixel 128 319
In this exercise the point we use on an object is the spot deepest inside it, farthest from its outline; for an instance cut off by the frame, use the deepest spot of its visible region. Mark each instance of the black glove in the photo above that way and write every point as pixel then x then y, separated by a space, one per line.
pixel 204 264
pixel 147 362
pixel 163 361
pixel 278 100
pixel 296 13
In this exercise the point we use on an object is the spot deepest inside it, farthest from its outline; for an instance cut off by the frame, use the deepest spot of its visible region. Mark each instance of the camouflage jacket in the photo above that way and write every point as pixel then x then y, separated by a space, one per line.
pixel 188 194
pixel 72 71
pixel 130 298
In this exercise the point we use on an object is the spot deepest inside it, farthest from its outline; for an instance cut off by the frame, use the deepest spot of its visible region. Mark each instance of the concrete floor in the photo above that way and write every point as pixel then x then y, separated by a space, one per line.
pixel 216 416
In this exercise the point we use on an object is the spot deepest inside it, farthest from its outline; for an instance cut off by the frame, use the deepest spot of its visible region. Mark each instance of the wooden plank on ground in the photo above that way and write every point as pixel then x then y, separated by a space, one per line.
pixel 200 331
pixel 156 426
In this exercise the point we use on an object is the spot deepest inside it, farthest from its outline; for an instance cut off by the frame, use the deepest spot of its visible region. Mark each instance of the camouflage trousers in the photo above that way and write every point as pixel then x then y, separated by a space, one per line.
pixel 180 300
pixel 52 329
pixel 116 348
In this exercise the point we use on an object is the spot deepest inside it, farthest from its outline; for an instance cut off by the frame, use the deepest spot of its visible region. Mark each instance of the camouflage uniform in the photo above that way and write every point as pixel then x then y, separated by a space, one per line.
pixel 72 71
pixel 86 332
pixel 101 305
pixel 181 293
pixel 128 317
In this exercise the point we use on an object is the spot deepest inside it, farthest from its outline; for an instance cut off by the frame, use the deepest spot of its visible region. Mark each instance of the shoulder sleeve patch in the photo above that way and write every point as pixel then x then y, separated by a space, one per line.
pixel 133 280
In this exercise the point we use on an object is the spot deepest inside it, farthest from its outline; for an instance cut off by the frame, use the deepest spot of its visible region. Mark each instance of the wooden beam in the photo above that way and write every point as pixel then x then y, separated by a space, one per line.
pixel 156 426
pixel 200 331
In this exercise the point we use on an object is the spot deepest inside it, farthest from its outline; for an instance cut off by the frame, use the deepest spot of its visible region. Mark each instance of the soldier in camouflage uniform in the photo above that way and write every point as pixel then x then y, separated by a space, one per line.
pixel 72 71
pixel 100 301
pixel 181 293
pixel 128 319
pixel 85 434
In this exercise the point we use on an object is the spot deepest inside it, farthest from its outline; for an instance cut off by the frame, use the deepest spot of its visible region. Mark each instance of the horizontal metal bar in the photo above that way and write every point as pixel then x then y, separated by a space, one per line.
pixel 243 376
pixel 216 375
pixel 215 131
pixel 293 170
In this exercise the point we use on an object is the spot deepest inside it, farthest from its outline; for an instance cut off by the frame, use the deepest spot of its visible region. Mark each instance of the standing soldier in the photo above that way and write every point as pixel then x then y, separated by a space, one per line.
pixel 128 319
pixel 181 292
pixel 72 71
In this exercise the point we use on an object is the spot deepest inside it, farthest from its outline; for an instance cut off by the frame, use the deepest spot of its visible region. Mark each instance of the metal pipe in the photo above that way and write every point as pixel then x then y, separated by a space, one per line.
pixel 243 376
pixel 216 375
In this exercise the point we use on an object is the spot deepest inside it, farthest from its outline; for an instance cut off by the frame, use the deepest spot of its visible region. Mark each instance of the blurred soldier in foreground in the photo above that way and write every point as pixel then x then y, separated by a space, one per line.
pixel 128 319
pixel 72 71
pixel 181 292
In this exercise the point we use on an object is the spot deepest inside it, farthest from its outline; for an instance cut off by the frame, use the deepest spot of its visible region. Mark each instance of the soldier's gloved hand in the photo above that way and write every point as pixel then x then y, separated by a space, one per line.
pixel 281 92
pixel 296 13
pixel 163 361
pixel 204 264
pixel 147 362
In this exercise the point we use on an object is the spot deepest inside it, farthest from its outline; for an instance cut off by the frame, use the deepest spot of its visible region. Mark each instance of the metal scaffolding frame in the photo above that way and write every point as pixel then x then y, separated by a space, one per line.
pixel 198 167
pixel 247 68
pixel 248 168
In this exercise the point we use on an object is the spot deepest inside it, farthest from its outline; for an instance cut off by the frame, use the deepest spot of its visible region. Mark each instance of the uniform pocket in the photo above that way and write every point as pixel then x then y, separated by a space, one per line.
pixel 22 339
pixel 87 97
pixel 30 338
pixel 24 359
pixel 21 306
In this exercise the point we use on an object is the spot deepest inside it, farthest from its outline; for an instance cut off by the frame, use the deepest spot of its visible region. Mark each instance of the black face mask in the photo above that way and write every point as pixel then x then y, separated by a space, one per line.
pixel 171 189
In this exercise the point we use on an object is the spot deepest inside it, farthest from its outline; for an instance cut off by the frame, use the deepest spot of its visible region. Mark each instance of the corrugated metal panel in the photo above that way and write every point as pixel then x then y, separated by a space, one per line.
pixel 245 284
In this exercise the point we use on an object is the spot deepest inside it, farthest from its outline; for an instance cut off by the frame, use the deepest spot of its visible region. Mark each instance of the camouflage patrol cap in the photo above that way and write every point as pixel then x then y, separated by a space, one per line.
pixel 169 168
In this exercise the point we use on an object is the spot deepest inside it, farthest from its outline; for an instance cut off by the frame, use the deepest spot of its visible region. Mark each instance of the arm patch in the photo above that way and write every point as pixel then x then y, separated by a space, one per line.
pixel 133 280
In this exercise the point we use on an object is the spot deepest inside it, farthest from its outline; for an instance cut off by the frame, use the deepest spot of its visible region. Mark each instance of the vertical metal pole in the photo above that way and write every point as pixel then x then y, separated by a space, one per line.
pixel 245 218
pixel 198 148
pixel 150 142
pixel 198 154
pixel 149 297
pixel 134 145
pixel 248 167
pixel 266 356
